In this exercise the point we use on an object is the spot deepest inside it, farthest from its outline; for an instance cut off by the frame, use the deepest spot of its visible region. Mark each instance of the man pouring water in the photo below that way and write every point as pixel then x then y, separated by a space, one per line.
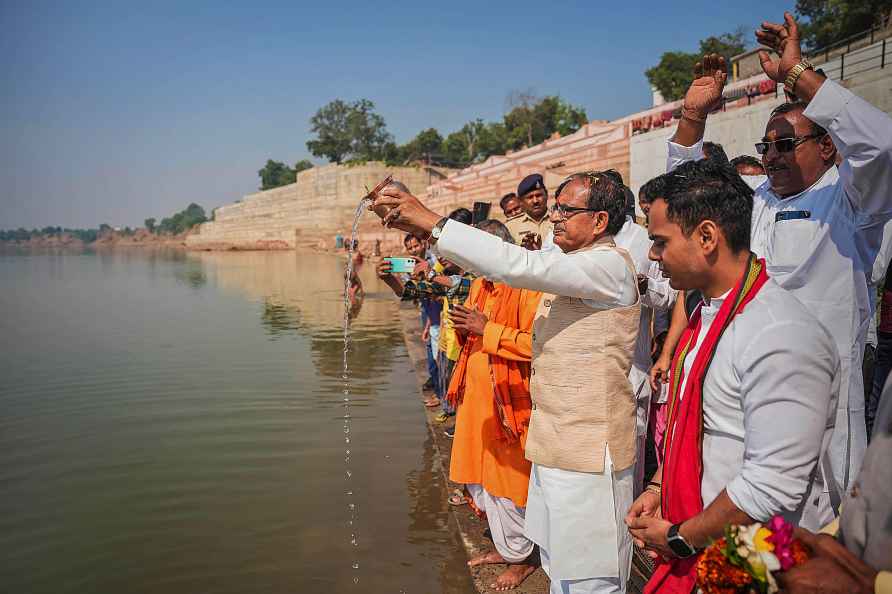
pixel 582 430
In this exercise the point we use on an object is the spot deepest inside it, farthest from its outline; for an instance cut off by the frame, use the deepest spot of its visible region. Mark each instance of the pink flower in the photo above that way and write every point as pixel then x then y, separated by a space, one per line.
pixel 781 537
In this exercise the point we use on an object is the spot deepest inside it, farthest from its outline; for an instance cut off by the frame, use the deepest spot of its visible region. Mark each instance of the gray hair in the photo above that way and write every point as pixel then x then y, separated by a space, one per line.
pixel 497 228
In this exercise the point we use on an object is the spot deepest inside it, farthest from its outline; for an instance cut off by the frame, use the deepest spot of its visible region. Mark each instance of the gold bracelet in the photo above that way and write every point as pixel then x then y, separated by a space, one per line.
pixel 654 489
pixel 794 74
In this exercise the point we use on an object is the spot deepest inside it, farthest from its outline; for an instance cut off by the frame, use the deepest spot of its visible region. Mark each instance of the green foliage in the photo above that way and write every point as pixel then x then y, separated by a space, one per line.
pixel 533 120
pixel 348 131
pixel 275 174
pixel 150 224
pixel 302 165
pixel 675 72
pixel 182 221
pixel 824 22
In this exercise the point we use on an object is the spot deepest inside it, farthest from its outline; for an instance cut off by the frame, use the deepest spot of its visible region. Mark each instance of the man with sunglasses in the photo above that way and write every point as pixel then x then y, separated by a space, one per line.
pixel 581 438
pixel 818 226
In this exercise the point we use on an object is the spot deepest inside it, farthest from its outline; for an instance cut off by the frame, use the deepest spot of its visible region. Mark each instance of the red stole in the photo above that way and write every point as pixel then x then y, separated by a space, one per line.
pixel 683 452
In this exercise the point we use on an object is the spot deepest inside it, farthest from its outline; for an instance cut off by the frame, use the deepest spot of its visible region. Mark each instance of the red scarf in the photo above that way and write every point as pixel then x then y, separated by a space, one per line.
pixel 683 451
pixel 510 379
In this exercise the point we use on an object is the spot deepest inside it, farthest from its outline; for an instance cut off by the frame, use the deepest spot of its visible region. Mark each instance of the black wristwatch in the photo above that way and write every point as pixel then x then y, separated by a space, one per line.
pixel 678 544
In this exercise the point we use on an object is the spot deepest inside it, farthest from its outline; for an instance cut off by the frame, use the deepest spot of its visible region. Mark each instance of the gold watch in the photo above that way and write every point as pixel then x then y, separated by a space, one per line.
pixel 794 73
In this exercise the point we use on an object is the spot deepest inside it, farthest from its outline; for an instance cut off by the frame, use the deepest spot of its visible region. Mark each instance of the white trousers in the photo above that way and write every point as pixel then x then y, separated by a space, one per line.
pixel 598 585
pixel 577 519
pixel 506 522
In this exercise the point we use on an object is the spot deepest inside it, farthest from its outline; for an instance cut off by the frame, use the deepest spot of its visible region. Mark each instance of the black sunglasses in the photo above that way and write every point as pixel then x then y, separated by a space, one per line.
pixel 784 145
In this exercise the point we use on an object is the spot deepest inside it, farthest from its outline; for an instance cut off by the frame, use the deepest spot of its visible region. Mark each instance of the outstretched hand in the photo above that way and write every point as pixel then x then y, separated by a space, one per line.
pixel 785 42
pixel 705 92
pixel 404 212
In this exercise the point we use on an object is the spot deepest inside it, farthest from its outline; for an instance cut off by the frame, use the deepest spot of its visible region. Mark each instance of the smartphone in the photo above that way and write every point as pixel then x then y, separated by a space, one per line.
pixel 401 265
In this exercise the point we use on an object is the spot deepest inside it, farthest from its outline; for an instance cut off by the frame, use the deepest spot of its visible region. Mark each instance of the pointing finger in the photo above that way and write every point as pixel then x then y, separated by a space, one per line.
pixel 792 26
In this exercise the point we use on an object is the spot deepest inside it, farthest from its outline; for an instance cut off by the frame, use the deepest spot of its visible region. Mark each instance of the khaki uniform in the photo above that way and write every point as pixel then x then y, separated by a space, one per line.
pixel 523 224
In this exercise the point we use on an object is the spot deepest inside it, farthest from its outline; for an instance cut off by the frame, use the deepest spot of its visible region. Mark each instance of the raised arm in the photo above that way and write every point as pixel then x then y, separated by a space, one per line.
pixel 597 275
pixel 861 132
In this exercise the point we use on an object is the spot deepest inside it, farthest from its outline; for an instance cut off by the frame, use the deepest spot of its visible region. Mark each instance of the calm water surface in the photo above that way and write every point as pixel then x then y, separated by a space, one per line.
pixel 172 422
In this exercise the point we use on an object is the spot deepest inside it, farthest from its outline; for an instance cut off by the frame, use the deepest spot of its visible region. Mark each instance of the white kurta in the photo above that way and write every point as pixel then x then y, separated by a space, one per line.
pixel 821 245
pixel 769 402
pixel 655 301
pixel 588 538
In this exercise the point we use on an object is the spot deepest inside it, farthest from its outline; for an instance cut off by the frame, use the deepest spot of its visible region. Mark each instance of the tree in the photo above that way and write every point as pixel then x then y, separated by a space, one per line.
pixel 183 221
pixel 673 75
pixel 302 165
pixel 426 143
pixel 348 131
pixel 275 174
pixel 829 21
pixel 150 224
pixel 533 120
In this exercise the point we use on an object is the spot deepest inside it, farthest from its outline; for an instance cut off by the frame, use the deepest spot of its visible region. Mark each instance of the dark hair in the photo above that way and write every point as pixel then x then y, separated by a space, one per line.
pixel 497 228
pixel 747 161
pixel 411 236
pixel 506 198
pixel 462 215
pixel 699 190
pixel 715 152
pixel 630 201
pixel 605 193
pixel 797 105
pixel 653 189
pixel 616 175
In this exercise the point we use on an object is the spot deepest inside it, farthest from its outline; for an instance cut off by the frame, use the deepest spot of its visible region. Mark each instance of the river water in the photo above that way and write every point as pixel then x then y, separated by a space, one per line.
pixel 173 422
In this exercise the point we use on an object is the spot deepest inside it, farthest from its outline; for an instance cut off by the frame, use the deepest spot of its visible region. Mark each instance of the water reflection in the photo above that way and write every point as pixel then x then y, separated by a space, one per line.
pixel 180 431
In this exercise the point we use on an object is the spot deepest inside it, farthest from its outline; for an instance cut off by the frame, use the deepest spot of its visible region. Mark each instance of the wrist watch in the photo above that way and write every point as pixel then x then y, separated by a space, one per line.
pixel 794 73
pixel 678 544
pixel 437 230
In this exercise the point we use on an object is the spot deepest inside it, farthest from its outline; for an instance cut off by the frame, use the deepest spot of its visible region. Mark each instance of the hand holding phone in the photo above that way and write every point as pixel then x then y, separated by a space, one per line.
pixel 401 265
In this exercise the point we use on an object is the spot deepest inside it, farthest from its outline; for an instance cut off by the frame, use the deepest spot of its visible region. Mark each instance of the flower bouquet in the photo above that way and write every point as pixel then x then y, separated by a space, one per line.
pixel 743 561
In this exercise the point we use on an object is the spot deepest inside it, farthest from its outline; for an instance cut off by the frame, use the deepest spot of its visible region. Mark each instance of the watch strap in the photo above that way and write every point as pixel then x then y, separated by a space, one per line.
pixel 678 544
pixel 794 73
pixel 437 229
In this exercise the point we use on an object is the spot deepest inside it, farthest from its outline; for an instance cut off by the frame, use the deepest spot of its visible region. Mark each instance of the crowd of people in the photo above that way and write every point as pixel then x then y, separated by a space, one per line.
pixel 618 383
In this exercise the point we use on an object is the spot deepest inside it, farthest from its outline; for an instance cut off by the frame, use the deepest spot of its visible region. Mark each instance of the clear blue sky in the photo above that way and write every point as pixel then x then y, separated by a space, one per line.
pixel 117 111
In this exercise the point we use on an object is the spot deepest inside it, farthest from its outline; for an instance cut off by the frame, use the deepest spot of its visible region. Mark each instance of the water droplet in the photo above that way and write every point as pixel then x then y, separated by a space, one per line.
pixel 346 440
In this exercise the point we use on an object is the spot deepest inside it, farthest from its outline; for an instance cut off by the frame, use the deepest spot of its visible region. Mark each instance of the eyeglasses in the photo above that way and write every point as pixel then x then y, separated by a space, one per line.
pixel 565 212
pixel 784 145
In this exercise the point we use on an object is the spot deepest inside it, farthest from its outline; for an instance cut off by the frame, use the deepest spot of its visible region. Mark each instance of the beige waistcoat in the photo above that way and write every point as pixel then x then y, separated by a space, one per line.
pixel 582 398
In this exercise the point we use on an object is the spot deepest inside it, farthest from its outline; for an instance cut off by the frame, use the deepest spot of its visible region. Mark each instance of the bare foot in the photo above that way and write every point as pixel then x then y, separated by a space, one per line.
pixel 512 577
pixel 489 558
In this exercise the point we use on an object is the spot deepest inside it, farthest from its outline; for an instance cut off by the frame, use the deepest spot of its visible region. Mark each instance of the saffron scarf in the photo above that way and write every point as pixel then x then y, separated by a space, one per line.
pixel 683 446
pixel 510 379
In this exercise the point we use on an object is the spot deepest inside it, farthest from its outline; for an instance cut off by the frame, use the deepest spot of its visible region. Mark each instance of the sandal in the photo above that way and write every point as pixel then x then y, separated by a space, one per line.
pixel 433 402
pixel 441 418
pixel 457 498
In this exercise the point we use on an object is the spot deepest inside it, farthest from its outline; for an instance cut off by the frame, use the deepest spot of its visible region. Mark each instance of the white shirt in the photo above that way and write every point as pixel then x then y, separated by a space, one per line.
pixel 599 276
pixel 768 408
pixel 657 298
pixel 821 245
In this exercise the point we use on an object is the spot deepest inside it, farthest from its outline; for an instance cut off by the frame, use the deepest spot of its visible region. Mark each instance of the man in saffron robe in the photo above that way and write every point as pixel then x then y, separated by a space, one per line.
pixel 491 388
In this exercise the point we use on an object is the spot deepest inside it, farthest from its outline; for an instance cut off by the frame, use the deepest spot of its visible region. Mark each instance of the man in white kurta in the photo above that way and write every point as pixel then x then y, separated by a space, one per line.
pixel 821 242
pixel 575 517
pixel 769 388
